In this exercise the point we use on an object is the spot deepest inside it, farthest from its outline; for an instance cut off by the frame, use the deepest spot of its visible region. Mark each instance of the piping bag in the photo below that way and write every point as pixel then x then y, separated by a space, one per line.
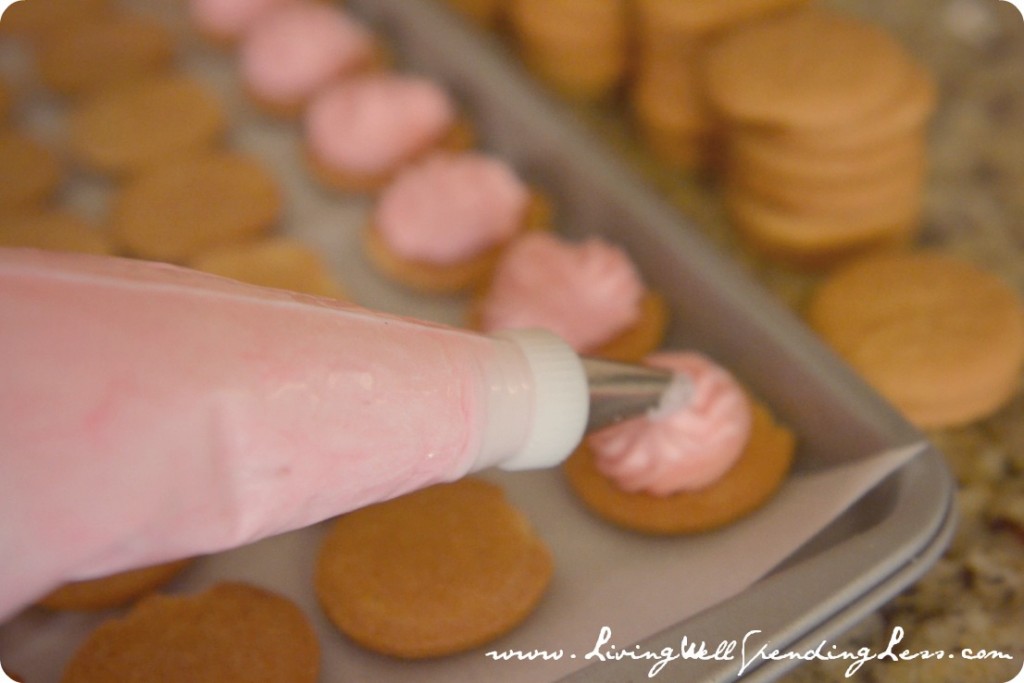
pixel 150 412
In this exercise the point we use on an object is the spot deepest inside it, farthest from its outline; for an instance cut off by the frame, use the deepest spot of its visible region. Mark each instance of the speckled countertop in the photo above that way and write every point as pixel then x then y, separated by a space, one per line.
pixel 974 596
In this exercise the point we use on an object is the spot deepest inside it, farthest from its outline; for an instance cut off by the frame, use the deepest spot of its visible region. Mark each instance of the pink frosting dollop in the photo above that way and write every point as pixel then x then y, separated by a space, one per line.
pixel 293 50
pixel 585 292
pixel 451 207
pixel 689 442
pixel 228 19
pixel 373 122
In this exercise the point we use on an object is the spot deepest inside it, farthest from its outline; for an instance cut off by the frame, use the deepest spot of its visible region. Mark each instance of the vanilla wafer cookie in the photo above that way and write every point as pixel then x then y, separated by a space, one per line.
pixel 178 210
pixel 229 633
pixel 434 572
pixel 942 339
pixel 123 130
pixel 103 52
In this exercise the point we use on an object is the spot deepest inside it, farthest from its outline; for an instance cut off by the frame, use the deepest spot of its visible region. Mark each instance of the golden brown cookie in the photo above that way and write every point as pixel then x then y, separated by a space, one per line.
pixel 578 46
pixel 938 337
pixel 898 190
pixel 102 52
pixel 813 238
pixel 6 100
pixel 671 113
pixel 277 262
pixel 55 230
pixel 486 13
pixel 662 22
pixel 30 172
pixel 906 115
pixel 751 482
pixel 37 20
pixel 642 338
pixel 181 209
pixel 809 68
pixel 753 153
pixel 230 633
pixel 434 572
pixel 158 119
pixel 114 590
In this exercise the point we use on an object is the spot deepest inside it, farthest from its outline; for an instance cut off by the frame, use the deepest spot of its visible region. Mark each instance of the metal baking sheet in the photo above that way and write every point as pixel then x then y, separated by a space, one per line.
pixel 878 546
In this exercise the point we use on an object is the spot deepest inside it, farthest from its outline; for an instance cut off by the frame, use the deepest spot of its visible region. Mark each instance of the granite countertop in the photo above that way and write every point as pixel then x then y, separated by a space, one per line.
pixel 974 596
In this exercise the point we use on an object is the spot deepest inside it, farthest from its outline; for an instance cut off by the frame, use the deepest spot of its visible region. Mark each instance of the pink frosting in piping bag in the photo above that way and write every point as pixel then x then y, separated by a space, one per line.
pixel 694 437
pixel 149 412
pixel 451 207
pixel 584 292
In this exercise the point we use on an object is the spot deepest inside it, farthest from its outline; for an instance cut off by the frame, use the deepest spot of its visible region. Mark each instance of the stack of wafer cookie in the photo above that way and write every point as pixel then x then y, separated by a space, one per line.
pixel 826 121
pixel 666 90
pixel 578 46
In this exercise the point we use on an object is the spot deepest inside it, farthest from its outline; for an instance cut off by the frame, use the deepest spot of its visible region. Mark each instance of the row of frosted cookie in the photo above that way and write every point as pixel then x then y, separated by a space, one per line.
pixel 362 119
pixel 534 578
pixel 454 566
pixel 592 295
pixel 463 221
pixel 157 135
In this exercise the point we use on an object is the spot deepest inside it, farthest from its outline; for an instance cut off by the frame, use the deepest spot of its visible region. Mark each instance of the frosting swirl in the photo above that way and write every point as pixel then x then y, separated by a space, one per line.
pixel 693 439
pixel 295 49
pixel 451 207
pixel 228 19
pixel 586 293
pixel 371 123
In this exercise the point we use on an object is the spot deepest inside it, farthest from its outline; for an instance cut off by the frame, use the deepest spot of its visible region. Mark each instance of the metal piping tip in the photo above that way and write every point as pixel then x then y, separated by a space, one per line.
pixel 619 391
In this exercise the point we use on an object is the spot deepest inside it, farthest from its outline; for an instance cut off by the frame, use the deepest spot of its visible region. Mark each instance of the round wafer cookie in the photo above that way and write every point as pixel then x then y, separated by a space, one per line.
pixel 897 191
pixel 55 230
pixel 139 125
pixel 6 101
pixel 816 239
pixel 278 262
pixel 30 172
pixel 36 20
pixel 940 338
pixel 809 68
pixel 180 209
pixel 906 115
pixel 114 590
pixel 671 112
pixel 487 13
pixel 102 52
pixel 229 633
pixel 672 17
pixel 749 484
pixel 578 46
pixel 434 572
pixel 750 153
